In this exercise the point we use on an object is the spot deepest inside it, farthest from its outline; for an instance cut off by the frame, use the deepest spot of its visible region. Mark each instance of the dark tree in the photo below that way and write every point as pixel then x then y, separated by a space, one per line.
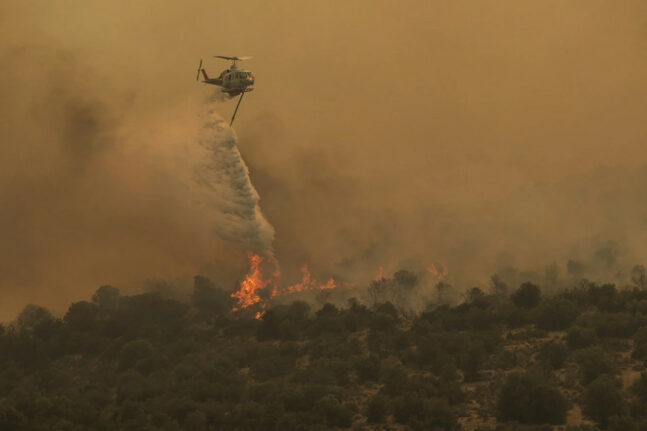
pixel 594 362
pixel 602 400
pixel 639 387
pixel 527 296
pixel 106 298
pixel 556 315
pixel 405 279
pixel 208 298
pixel 377 409
pixel 579 338
pixel 34 319
pixel 529 399
pixel 639 276
pixel 553 354
pixel 499 287
pixel 82 316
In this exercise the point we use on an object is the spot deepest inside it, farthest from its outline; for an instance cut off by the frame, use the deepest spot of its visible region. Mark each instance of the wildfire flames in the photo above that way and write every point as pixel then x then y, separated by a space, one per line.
pixel 247 295
pixel 307 283
pixel 382 272
pixel 251 291
pixel 436 273
pixel 251 287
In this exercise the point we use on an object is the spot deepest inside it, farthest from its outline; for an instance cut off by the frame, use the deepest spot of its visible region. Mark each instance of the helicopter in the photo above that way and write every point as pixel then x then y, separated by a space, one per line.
pixel 233 81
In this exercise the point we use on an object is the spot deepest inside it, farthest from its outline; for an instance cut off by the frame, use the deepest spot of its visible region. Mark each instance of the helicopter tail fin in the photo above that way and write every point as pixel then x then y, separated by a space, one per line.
pixel 204 73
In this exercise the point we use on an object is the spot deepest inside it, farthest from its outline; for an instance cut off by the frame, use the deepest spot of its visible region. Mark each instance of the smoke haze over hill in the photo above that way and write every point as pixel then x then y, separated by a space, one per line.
pixel 517 141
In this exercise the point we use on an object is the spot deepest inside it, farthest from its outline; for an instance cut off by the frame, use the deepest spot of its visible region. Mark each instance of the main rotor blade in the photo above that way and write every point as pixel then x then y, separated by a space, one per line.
pixel 245 57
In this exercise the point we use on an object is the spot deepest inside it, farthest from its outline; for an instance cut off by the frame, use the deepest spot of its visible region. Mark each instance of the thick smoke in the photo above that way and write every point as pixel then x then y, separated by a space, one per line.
pixel 516 145
pixel 95 191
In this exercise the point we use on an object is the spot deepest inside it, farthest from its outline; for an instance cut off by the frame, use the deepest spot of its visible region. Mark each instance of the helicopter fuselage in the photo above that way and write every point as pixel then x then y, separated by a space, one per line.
pixel 233 81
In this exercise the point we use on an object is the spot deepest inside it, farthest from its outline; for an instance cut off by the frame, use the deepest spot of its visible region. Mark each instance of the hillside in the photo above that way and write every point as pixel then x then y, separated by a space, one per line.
pixel 514 360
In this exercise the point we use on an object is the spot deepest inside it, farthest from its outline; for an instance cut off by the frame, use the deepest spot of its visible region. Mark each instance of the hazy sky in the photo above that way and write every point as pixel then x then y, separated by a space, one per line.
pixel 477 133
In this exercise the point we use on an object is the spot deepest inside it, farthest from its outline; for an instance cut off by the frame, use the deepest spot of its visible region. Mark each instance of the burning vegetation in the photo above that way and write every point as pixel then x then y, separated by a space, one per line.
pixel 256 290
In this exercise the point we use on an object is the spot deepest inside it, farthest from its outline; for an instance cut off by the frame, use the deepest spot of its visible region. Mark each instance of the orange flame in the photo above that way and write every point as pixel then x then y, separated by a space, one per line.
pixel 384 272
pixel 436 273
pixel 247 295
pixel 380 275
pixel 307 283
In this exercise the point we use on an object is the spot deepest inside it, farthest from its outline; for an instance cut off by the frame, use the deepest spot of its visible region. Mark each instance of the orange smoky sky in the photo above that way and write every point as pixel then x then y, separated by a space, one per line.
pixel 480 134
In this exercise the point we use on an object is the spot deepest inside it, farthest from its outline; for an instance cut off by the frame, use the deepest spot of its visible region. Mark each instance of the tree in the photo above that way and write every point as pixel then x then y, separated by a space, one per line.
pixel 640 344
pixel 405 279
pixel 81 316
pixel 11 419
pixel 579 338
pixel 594 362
pixel 208 298
pixel 499 287
pixel 529 399
pixel 377 409
pixel 106 298
pixel 476 297
pixel 553 354
pixel 527 296
pixel 368 368
pixel 556 315
pixel 336 414
pixel 602 400
pixel 443 289
pixel 639 276
pixel 34 319
pixel 639 387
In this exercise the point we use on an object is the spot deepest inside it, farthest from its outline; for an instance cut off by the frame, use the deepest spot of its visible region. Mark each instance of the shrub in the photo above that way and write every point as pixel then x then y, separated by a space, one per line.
pixel 36 320
pixel 640 344
pixel 106 298
pixel 377 409
pixel 527 296
pixel 602 400
pixel 639 387
pixel 208 298
pixel 594 362
pixel 639 276
pixel 553 355
pixel 579 338
pixel 82 316
pixel 336 414
pixel 604 297
pixel 556 315
pixel 512 316
pixel 616 325
pixel 529 399
pixel 368 368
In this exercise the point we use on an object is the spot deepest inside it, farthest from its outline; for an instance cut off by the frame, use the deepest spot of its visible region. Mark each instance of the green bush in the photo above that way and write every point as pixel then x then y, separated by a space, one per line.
pixel 377 409
pixel 527 296
pixel 529 399
pixel 336 414
pixel 639 387
pixel 593 362
pixel 602 400
pixel 553 354
pixel 556 315
pixel 579 338
pixel 368 368
pixel 640 344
